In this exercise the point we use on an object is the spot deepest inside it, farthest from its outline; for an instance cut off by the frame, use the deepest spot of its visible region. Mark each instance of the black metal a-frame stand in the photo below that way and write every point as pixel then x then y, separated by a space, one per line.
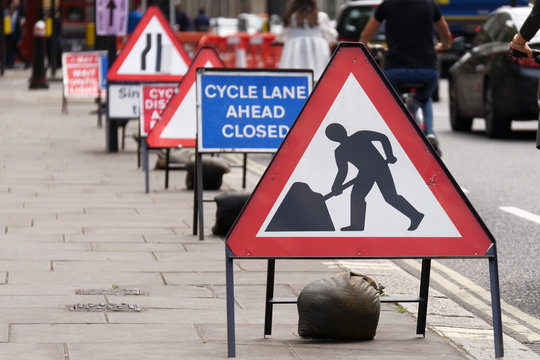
pixel 422 299
pixel 198 200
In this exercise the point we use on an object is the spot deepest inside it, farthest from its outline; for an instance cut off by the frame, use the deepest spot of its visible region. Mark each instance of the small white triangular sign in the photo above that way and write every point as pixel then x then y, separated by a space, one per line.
pixel 178 123
pixel 152 53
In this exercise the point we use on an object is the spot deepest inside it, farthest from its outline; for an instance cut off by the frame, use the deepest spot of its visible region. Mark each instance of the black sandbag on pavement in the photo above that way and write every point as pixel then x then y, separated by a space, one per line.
pixel 228 205
pixel 213 170
pixel 345 307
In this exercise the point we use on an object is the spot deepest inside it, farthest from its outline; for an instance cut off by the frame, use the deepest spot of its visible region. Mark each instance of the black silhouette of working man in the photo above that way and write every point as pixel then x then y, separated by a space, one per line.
pixel 359 150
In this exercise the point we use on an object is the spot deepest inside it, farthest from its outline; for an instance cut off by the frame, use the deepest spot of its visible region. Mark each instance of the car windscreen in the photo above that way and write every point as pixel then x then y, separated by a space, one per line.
pixel 353 20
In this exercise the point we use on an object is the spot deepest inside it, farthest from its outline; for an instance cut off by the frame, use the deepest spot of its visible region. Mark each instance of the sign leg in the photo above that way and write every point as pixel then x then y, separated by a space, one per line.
pixel 496 304
pixel 99 110
pixel 268 312
pixel 424 293
pixel 111 134
pixel 167 159
pixel 231 346
pixel 146 160
pixel 64 104
pixel 139 146
pixel 199 180
pixel 244 171
pixel 195 207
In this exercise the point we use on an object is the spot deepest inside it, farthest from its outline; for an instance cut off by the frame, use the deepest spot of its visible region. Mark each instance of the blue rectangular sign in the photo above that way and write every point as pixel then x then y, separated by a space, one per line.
pixel 248 111
pixel 104 69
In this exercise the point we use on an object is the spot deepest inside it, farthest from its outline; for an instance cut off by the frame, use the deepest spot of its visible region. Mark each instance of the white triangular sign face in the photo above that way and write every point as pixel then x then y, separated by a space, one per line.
pixel 176 128
pixel 178 123
pixel 152 53
pixel 381 218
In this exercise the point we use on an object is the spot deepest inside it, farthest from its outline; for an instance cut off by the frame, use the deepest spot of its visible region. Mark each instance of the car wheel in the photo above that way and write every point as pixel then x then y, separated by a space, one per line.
pixel 457 121
pixel 496 126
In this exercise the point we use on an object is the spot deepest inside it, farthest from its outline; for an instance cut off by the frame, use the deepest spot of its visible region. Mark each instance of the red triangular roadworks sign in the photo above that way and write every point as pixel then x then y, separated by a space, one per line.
pixel 152 53
pixel 416 210
pixel 178 121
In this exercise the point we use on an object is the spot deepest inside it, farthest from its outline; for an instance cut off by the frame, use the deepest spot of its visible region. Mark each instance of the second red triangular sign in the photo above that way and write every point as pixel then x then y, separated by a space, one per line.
pixel 177 126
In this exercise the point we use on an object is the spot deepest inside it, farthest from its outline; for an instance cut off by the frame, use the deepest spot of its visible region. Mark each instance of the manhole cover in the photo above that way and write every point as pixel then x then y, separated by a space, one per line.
pixel 106 307
pixel 118 292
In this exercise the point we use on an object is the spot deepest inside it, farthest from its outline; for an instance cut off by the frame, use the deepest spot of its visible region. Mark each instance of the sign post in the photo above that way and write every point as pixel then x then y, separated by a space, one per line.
pixel 244 110
pixel 312 202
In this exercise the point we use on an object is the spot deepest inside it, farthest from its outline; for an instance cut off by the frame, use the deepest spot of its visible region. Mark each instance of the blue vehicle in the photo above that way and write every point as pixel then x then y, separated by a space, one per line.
pixel 465 16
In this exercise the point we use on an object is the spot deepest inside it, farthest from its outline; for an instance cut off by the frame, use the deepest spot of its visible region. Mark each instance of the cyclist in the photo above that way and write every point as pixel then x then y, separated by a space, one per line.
pixel 519 43
pixel 411 53
pixel 527 31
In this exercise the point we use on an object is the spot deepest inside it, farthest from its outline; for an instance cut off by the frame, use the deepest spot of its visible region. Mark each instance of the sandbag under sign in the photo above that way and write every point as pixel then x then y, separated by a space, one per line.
pixel 343 307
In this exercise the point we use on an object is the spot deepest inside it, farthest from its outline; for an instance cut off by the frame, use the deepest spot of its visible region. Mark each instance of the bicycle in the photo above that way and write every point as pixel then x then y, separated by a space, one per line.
pixel 407 91
pixel 520 54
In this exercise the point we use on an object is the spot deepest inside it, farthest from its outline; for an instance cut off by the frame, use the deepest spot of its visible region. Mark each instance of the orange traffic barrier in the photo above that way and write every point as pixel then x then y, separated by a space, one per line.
pixel 244 50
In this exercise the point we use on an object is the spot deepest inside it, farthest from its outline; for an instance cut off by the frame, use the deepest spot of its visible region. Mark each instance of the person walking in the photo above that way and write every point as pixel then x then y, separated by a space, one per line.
pixel 359 150
pixel 307 36
pixel 201 21
pixel 182 21
pixel 134 17
pixel 411 53
pixel 14 12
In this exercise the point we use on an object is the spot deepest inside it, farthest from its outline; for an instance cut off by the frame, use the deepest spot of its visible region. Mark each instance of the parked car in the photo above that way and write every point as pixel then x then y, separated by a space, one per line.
pixel 353 17
pixel 486 82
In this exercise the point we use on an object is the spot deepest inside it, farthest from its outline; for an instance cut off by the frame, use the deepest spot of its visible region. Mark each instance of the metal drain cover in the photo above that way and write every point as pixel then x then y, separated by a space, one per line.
pixel 106 307
pixel 118 292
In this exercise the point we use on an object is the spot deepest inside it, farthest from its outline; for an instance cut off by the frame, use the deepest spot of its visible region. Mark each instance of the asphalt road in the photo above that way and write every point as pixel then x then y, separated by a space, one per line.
pixel 501 179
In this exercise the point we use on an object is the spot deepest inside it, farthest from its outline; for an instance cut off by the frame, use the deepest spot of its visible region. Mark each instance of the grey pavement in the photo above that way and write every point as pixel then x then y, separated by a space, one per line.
pixel 78 230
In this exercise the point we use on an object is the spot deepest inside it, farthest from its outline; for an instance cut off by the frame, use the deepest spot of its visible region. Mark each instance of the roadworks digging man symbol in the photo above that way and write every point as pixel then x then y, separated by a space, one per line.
pixel 358 149
pixel 305 210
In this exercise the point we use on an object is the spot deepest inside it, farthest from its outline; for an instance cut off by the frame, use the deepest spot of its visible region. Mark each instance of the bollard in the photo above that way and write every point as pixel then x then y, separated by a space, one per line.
pixel 38 80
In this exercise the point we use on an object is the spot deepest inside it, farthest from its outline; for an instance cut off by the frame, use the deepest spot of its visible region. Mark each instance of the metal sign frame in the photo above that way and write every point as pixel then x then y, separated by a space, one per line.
pixel 476 241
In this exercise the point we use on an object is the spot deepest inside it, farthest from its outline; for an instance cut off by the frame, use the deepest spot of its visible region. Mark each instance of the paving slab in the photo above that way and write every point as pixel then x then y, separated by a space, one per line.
pixel 75 219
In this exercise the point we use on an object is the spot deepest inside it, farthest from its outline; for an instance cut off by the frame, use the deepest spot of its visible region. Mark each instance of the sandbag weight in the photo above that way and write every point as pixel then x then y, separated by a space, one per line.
pixel 213 170
pixel 343 307
pixel 228 206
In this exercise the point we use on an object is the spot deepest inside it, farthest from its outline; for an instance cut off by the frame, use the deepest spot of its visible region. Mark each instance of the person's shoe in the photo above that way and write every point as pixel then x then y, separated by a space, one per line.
pixel 434 143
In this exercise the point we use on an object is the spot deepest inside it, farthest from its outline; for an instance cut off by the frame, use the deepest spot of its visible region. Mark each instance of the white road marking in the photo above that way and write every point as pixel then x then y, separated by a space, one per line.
pixel 521 213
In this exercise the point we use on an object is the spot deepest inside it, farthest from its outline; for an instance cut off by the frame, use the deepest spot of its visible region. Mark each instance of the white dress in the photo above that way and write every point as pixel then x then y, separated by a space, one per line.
pixel 307 47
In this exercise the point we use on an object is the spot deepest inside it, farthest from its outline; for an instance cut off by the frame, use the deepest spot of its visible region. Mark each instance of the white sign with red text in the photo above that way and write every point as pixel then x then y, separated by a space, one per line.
pixel 81 74
pixel 154 99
